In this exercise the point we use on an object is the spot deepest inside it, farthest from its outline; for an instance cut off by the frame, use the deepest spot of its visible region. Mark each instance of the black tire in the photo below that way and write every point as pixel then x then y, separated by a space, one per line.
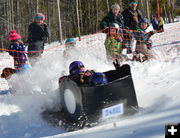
pixel 71 99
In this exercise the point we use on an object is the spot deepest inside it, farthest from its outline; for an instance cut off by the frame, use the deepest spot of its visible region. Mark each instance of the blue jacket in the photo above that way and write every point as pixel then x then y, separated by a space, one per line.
pixel 18 52
pixel 142 35
pixel 155 24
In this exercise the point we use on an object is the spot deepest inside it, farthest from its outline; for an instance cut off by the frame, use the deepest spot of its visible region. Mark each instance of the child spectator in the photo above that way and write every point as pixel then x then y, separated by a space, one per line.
pixel 17 50
pixel 143 45
pixel 113 24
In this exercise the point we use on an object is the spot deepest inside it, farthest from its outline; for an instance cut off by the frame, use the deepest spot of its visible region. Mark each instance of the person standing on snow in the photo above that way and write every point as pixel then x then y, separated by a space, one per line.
pixel 155 23
pixel 158 25
pixel 113 24
pixel 17 50
pixel 144 44
pixel 38 33
pixel 131 17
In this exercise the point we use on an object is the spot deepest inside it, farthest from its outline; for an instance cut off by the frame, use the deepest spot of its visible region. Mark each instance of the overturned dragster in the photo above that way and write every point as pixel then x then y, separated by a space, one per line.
pixel 88 104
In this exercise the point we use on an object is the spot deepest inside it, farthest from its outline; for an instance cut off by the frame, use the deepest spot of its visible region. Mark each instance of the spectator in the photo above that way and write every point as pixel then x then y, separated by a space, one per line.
pixel 158 25
pixel 131 18
pixel 17 50
pixel 144 44
pixel 155 22
pixel 38 33
pixel 113 24
pixel 161 25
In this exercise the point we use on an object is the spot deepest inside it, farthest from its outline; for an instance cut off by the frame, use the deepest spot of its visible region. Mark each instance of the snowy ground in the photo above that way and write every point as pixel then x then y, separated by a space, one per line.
pixel 157 85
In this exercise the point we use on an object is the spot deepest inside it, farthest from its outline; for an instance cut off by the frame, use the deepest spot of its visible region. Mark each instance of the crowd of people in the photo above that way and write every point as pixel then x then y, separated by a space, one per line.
pixel 38 33
pixel 122 30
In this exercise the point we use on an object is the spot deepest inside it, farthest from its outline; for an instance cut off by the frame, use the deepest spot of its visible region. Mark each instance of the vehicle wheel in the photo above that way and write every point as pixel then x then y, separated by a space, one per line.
pixel 71 99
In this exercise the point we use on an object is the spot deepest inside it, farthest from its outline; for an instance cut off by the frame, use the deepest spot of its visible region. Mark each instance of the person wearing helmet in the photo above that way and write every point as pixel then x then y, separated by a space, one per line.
pixel 144 44
pixel 38 33
pixel 78 73
pixel 112 24
pixel 97 79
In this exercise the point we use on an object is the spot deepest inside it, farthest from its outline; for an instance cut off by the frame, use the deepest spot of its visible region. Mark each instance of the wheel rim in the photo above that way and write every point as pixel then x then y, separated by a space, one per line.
pixel 70 101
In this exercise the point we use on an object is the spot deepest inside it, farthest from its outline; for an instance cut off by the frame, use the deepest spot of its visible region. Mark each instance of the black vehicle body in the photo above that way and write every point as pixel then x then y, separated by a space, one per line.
pixel 88 102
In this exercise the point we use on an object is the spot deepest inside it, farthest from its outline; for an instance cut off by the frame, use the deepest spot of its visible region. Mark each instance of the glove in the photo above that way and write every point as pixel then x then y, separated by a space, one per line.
pixel 116 64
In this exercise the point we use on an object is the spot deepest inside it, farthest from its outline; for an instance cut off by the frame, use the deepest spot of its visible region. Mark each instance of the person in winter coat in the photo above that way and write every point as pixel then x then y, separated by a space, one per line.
pixel 131 17
pixel 84 77
pixel 112 25
pixel 78 73
pixel 161 25
pixel 144 44
pixel 155 23
pixel 38 33
pixel 17 50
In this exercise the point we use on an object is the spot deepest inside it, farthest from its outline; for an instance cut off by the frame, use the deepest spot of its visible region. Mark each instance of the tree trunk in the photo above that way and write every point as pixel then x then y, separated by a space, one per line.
pixel 107 3
pixel 37 6
pixel 59 17
pixel 18 15
pixel 97 15
pixel 78 25
pixel 147 9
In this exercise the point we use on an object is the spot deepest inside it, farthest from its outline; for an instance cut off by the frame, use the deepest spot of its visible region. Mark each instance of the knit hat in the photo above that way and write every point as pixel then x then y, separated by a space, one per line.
pixel 133 1
pixel 14 35
pixel 115 6
pixel 39 16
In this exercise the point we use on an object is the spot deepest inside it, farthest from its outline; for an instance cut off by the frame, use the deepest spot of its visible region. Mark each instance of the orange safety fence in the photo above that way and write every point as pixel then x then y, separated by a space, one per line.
pixel 160 39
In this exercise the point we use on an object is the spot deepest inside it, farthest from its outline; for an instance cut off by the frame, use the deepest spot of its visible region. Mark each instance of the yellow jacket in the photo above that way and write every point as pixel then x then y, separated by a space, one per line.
pixel 161 22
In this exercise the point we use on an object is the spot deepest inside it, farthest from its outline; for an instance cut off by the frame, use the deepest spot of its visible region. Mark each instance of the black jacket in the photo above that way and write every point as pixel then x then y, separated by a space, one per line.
pixel 37 32
pixel 110 19
pixel 128 18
